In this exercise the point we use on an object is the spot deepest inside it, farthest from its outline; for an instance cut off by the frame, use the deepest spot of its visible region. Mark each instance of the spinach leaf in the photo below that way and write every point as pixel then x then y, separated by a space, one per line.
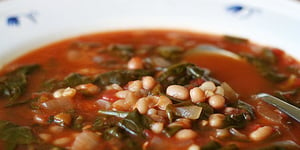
pixel 13 84
pixel 71 80
pixel 113 132
pixel 171 53
pixel 265 65
pixel 135 123
pixel 207 110
pixel 121 77
pixel 119 114
pixel 170 131
pixel 123 51
pixel 229 147
pixel 281 145
pixel 212 145
pixel 14 135
pixel 235 120
pixel 247 107
pixel 182 74
pixel 235 40
pixel 105 122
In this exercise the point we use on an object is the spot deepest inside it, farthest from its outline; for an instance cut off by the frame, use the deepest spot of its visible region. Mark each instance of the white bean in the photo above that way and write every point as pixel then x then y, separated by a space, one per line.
pixel 142 105
pixel 219 90
pixel 194 147
pixel 261 133
pixel 197 95
pixel 163 102
pixel 216 101
pixel 208 85
pixel 89 88
pixel 148 82
pixel 178 91
pixel 45 137
pixel 185 134
pixel 62 141
pixel 67 92
pixel 216 120
pixel 135 63
pixel 157 127
pixel 135 86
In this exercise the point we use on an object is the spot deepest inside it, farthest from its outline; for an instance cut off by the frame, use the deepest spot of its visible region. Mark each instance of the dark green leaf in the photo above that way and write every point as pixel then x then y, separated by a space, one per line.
pixel 172 53
pixel 105 122
pixel 181 74
pixel 235 120
pixel 14 135
pixel 207 110
pixel 77 123
pixel 235 40
pixel 170 131
pixel 121 50
pixel 71 80
pixel 268 56
pixel 212 145
pixel 121 77
pixel 135 123
pixel 247 107
pixel 281 145
pixel 13 84
pixel 119 114
pixel 266 69
pixel 229 147
pixel 113 132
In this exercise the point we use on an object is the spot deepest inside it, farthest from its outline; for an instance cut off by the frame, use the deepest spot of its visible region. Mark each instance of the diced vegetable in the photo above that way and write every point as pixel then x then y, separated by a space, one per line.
pixel 86 140
pixel 267 112
pixel 57 105
pixel 190 112
pixel 229 93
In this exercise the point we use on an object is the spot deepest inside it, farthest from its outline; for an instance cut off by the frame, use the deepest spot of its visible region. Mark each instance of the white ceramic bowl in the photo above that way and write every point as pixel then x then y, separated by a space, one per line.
pixel 29 24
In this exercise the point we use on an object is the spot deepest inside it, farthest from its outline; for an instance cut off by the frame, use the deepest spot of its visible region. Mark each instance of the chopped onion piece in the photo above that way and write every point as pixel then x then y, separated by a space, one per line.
pixel 57 104
pixel 240 136
pixel 86 140
pixel 190 112
pixel 267 112
pixel 103 104
pixel 229 93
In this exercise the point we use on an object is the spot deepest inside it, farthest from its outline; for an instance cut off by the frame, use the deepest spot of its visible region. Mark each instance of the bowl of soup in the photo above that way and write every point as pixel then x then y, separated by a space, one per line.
pixel 153 75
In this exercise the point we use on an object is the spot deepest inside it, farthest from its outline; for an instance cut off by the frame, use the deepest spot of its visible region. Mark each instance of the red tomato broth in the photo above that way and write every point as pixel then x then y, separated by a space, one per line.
pixel 56 63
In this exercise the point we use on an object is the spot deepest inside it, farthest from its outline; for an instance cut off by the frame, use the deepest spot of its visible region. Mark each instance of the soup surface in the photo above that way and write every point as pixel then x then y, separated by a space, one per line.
pixel 149 89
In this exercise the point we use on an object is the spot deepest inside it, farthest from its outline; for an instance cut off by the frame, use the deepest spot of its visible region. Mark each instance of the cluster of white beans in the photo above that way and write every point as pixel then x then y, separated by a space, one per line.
pixel 135 96
pixel 207 91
